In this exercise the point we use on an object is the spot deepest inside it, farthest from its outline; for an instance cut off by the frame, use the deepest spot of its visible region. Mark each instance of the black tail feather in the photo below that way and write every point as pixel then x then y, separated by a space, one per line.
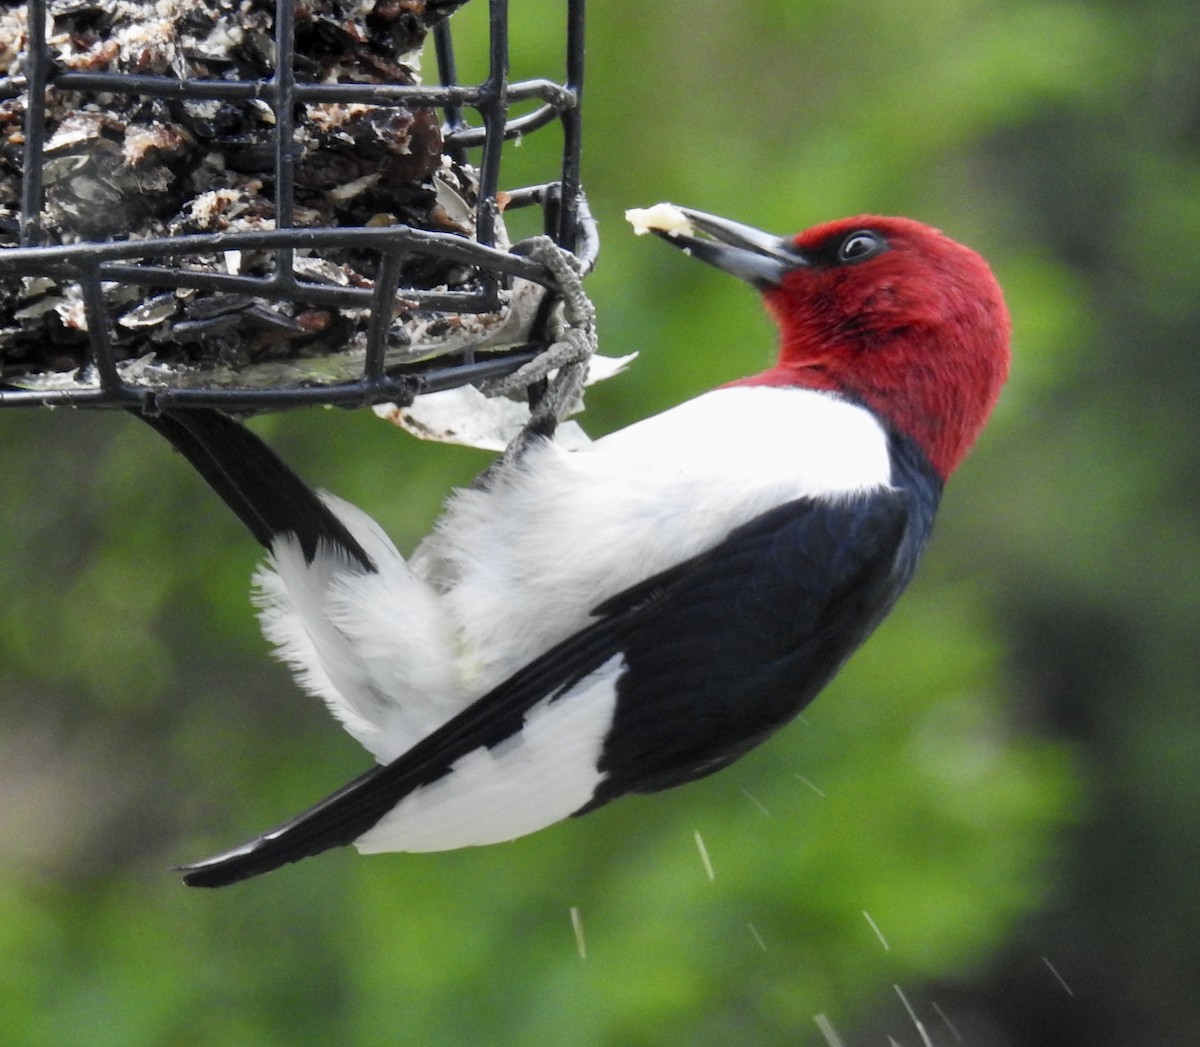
pixel 336 821
pixel 260 488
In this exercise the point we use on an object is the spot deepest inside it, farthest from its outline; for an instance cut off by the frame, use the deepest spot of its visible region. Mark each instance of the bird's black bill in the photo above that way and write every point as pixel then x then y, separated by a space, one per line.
pixel 759 258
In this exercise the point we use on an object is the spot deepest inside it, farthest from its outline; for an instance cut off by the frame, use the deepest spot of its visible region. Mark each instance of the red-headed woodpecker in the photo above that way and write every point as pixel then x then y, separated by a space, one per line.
pixel 640 612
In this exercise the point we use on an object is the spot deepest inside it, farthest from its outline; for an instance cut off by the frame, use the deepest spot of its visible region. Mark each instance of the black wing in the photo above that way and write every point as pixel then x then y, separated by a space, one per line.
pixel 760 625
pixel 738 639
pixel 740 646
pixel 260 488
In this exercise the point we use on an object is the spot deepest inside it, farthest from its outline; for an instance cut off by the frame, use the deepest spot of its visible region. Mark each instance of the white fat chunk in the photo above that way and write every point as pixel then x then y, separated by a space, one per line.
pixel 663 218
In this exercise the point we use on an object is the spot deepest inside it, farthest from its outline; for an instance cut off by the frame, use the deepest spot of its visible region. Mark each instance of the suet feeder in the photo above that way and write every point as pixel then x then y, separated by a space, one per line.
pixel 257 204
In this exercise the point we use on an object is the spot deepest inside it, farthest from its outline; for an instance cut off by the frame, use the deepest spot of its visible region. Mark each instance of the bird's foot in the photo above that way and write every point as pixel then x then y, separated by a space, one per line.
pixel 554 379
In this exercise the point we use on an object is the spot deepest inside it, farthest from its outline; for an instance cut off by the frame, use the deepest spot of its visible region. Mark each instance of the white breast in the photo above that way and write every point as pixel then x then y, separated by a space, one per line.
pixel 522 564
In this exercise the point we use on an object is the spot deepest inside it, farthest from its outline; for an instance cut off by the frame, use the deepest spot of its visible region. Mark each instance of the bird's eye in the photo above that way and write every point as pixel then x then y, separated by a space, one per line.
pixel 859 246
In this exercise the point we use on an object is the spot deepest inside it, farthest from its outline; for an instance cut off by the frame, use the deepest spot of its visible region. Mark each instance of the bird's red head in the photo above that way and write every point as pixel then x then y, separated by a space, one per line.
pixel 886 310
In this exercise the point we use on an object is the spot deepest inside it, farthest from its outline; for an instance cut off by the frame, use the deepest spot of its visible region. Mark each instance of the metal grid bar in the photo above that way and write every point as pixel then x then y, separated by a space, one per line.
pixel 35 108
pixel 93 264
pixel 282 98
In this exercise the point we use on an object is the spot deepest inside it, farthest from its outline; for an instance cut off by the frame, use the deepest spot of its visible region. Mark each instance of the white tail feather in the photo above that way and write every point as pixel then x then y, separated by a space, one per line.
pixel 376 647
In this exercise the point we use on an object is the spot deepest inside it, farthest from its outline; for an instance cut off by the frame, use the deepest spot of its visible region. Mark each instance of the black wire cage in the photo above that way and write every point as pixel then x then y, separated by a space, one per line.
pixel 255 204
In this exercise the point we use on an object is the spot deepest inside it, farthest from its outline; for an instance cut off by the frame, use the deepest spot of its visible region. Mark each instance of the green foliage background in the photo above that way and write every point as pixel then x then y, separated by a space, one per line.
pixel 1003 782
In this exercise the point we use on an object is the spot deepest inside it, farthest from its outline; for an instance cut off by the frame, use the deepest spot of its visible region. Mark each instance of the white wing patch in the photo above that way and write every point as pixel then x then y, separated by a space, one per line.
pixel 543 774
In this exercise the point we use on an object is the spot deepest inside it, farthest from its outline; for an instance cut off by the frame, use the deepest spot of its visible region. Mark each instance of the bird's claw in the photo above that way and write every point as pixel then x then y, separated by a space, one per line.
pixel 561 368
